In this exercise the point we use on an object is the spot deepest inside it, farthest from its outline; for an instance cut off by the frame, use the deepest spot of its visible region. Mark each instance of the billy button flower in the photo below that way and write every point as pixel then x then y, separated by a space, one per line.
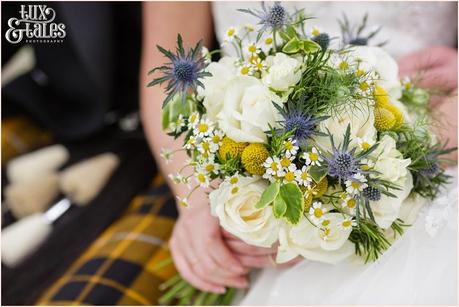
pixel 252 158
pixel 230 148
pixel 182 72
pixel 319 189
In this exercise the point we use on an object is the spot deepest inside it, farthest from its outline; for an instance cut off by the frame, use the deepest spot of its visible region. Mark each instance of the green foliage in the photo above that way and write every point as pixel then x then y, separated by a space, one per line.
pixel 230 166
pixel 415 142
pixel 180 292
pixel 276 139
pixel 369 240
pixel 279 206
pixel 268 195
pixel 326 90
pixel 293 197
pixel 172 110
pixel 296 45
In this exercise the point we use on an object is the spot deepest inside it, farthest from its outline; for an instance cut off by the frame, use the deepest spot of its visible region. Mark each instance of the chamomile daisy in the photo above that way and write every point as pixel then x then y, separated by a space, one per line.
pixel 203 128
pixel 289 174
pixel 202 178
pixel 364 143
pixel 183 202
pixel 316 212
pixel 302 177
pixel 350 204
pixel 245 69
pixel 290 147
pixel 347 223
pixel 211 167
pixel 366 164
pixel 166 154
pixel 267 44
pixel 356 184
pixel 313 157
pixel 193 119
pixel 230 34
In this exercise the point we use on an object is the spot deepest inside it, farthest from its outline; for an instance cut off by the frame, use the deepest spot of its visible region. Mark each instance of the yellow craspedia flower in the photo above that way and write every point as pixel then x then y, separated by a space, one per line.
pixel 252 158
pixel 307 201
pixel 320 188
pixel 231 148
pixel 381 97
pixel 397 114
pixel 384 119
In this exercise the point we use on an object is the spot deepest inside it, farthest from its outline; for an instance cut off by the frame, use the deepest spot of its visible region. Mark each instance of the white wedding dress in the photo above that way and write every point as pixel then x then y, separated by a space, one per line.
pixel 421 267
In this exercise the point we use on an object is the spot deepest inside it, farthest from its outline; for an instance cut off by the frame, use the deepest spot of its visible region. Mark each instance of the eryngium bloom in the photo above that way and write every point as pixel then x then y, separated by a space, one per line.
pixel 183 72
pixel 342 162
pixel 302 123
pixel 271 18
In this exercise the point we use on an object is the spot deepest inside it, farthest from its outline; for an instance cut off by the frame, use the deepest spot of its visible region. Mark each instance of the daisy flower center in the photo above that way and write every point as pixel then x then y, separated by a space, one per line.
pixel 201 178
pixel 351 203
pixel 285 162
pixel 245 70
pixel 318 212
pixel 289 176
pixel 202 127
pixel 233 180
pixel 210 167
pixel 274 166
pixel 347 223
pixel 313 156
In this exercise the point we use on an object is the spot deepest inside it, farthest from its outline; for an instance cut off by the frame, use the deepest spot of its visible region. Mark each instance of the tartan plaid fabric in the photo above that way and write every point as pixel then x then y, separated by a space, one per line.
pixel 122 266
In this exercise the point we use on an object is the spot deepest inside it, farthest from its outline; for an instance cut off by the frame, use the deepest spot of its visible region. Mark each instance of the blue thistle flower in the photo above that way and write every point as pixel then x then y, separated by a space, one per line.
pixel 183 72
pixel 297 120
pixel 343 163
pixel 323 39
pixel 432 169
pixel 271 18
pixel 354 35
pixel 372 193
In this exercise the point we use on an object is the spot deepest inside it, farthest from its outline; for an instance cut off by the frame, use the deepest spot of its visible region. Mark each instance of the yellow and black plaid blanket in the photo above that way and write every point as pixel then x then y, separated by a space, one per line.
pixel 122 266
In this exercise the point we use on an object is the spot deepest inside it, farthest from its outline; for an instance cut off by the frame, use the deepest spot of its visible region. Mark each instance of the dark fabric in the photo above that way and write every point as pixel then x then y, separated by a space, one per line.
pixel 87 81
pixel 124 266
pixel 80 226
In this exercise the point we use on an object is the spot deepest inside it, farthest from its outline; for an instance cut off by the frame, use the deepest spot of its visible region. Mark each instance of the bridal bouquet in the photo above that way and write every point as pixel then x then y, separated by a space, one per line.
pixel 317 149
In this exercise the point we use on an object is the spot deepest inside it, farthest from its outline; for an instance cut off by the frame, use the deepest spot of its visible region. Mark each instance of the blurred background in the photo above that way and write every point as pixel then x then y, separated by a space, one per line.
pixel 74 157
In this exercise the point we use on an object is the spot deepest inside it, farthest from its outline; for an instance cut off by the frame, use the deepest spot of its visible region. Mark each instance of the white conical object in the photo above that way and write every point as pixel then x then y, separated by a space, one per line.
pixel 22 238
pixel 83 181
pixel 37 163
pixel 33 195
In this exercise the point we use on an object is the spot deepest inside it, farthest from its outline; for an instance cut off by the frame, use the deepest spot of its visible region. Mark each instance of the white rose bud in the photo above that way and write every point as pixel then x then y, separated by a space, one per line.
pixel 284 71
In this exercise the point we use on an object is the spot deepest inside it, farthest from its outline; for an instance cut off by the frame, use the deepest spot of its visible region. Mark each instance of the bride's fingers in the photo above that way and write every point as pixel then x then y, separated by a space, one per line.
pixel 186 271
pixel 224 258
pixel 290 263
pixel 257 261
pixel 240 247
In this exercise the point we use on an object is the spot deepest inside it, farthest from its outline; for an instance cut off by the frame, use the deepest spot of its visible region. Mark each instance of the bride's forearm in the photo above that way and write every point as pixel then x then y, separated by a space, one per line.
pixel 161 23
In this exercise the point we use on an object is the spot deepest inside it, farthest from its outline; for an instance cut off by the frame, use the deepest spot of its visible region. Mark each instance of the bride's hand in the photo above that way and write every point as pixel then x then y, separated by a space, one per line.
pixel 254 257
pixel 199 253
pixel 437 67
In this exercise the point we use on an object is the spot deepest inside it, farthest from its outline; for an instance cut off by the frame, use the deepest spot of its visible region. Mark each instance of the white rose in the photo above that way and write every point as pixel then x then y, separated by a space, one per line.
pixel 308 241
pixel 248 110
pixel 389 161
pixel 378 60
pixel 362 126
pixel 387 209
pixel 214 87
pixel 238 215
pixel 283 72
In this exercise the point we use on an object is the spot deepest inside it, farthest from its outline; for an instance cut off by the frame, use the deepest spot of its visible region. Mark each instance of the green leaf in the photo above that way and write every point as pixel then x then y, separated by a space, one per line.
pixel 317 173
pixel 279 207
pixel 294 200
pixel 284 36
pixel 309 46
pixel 292 32
pixel 293 46
pixel 268 195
